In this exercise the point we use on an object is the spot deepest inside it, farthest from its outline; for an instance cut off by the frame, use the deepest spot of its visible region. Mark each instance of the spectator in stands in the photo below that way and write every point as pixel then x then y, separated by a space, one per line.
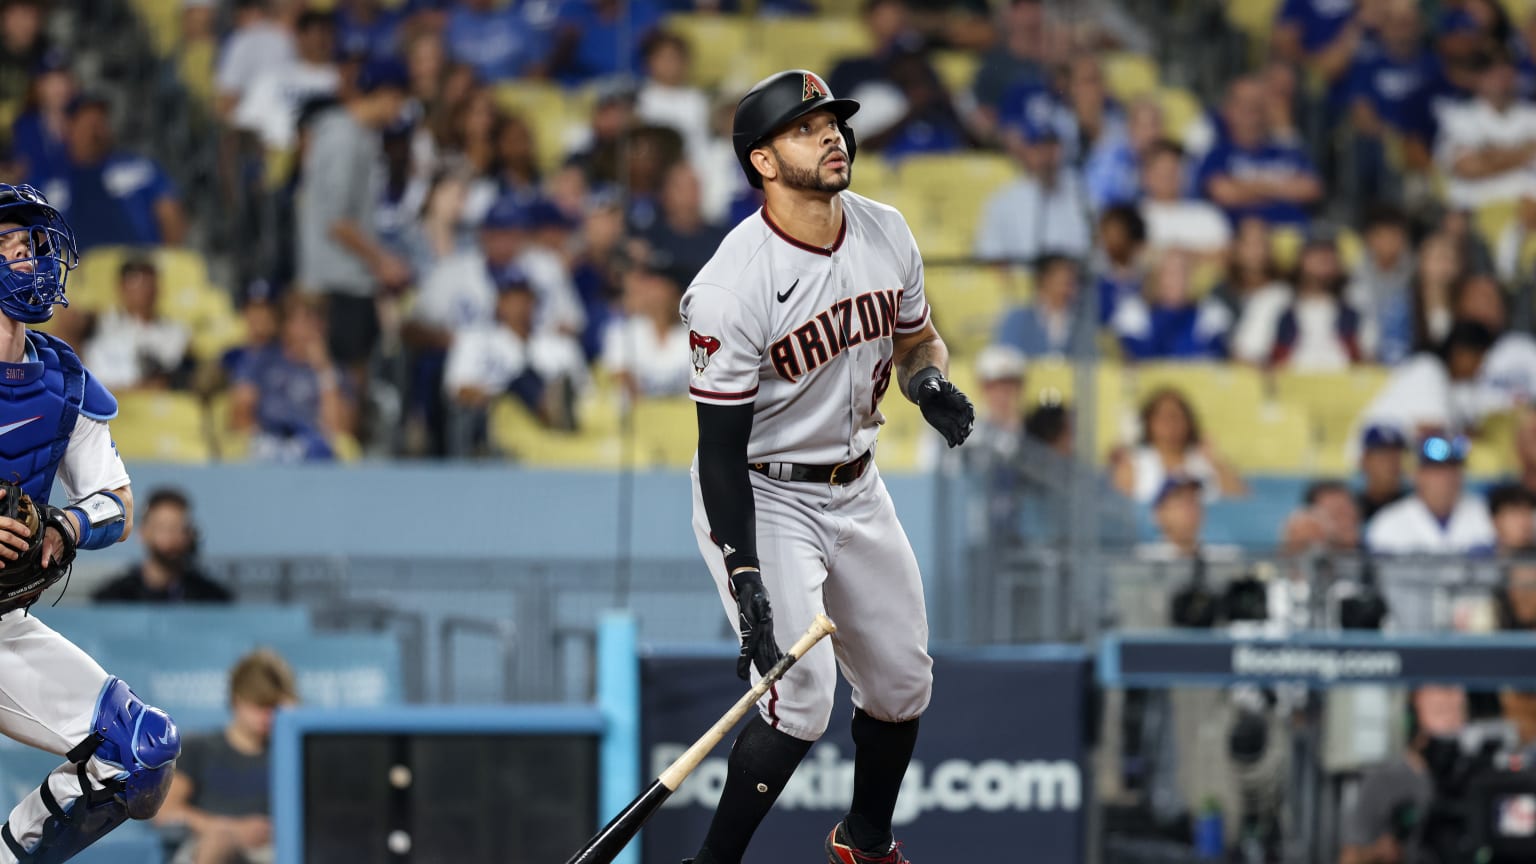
pixel 595 279
pixel 1374 826
pixel 1318 330
pixel 613 120
pixel 1108 153
pixel 133 346
pixel 1051 425
pixel 1390 91
pixel 1327 521
pixel 1487 146
pixel 367 31
pixel 1323 34
pixel 1172 445
pixel 1117 260
pixel 23 44
pixel 1439 516
pixel 1020 56
pixel 647 349
pixel 109 196
pixel 257 42
pixel 541 368
pixel 1434 390
pixel 1381 287
pixel 221 790
pixel 471 144
pixel 258 305
pixel 667 98
pixel 1166 322
pixel 1175 220
pixel 1513 510
pixel 1178 509
pixel 1381 469
pixel 1053 324
pixel 1440 265
pixel 269 105
pixel 1249 172
pixel 340 258
pixel 595 38
pixel 1039 213
pixel 681 237
pixel 891 34
pixel 720 173
pixel 39 135
pixel 1000 371
pixel 169 572
pixel 499 42
pixel 290 395
pixel 921 118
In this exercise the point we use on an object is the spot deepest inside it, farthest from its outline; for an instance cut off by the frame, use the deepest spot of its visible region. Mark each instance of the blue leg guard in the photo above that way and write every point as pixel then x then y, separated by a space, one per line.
pixel 140 741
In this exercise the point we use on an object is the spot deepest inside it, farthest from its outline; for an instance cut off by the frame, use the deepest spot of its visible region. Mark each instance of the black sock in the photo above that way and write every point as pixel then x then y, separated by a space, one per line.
pixel 762 761
pixel 882 751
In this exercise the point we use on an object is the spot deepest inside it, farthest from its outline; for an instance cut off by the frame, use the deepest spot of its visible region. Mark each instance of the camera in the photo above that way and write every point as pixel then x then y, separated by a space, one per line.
pixel 1484 804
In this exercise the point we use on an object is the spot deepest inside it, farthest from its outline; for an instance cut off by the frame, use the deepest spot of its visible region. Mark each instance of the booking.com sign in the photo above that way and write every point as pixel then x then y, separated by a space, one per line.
pixel 999 756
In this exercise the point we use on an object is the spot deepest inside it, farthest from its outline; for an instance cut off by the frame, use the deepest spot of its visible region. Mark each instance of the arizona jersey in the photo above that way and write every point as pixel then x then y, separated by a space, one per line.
pixel 804 334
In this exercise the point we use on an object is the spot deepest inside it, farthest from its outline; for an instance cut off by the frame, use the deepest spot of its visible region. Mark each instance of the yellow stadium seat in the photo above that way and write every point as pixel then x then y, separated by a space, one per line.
pixel 665 432
pixel 92 286
pixel 874 177
pixel 1220 393
pixel 1285 243
pixel 228 445
pixel 969 301
pixel 1351 249
pixel 1256 20
pixel 516 433
pixel 1493 449
pixel 1333 400
pixel 971 177
pixel 1276 439
pixel 195 67
pixel 1181 110
pixel 1053 380
pixel 957 69
pixel 162 18
pixel 802 43
pixel 1491 219
pixel 717 44
pixel 1128 75
pixel 550 111
pixel 160 427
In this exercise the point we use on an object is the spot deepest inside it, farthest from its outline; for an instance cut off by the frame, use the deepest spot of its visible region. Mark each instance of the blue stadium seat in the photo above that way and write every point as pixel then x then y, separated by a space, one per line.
pixel 245 621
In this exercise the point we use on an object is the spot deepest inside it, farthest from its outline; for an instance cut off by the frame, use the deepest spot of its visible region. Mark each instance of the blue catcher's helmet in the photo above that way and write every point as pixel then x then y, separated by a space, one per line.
pixel 32 274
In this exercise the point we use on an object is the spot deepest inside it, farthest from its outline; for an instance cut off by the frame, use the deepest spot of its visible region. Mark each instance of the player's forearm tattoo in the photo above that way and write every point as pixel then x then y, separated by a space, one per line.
pixel 929 352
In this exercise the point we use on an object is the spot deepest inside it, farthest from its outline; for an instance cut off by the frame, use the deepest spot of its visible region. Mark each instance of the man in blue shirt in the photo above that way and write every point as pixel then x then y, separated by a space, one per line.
pixel 499 43
pixel 595 37
pixel 1325 35
pixel 1248 173
pixel 112 198
pixel 366 30
pixel 1390 92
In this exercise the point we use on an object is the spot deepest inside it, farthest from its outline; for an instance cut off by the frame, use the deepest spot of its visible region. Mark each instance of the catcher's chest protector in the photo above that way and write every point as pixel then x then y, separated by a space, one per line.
pixel 39 403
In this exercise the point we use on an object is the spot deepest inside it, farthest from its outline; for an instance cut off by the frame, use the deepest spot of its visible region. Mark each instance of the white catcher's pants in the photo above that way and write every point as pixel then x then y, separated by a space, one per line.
pixel 842 551
pixel 48 693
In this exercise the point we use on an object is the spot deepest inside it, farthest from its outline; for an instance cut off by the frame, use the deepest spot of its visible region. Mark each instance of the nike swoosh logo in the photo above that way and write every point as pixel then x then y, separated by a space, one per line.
pixel 782 298
pixel 12 427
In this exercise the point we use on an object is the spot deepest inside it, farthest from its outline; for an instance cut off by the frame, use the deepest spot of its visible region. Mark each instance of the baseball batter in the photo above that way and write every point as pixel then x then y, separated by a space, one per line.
pixel 797 326
pixel 118 751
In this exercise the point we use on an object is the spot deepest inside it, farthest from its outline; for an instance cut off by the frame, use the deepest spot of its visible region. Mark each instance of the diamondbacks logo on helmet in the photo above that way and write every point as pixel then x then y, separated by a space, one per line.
pixel 701 348
pixel 814 88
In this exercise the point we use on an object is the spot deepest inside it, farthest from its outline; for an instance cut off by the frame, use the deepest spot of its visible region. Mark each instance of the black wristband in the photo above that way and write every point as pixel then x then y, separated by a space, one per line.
pixel 915 383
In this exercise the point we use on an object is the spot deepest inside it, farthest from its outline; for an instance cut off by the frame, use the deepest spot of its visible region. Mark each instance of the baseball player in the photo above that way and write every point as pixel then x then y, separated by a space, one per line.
pixel 119 751
pixel 797 325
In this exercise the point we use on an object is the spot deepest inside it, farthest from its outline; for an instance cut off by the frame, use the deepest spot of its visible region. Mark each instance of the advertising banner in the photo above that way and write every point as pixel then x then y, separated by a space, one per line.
pixel 999 761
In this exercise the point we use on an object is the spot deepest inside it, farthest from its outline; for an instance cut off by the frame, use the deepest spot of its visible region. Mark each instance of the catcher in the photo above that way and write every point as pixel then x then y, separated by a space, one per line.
pixel 118 751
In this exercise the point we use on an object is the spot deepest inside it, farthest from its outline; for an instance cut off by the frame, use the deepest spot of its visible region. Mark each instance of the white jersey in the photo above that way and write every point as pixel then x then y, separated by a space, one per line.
pixel 804 334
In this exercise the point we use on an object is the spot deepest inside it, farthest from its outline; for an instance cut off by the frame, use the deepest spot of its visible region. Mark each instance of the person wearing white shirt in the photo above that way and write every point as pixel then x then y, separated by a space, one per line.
pixel 258 42
pixel 133 346
pixel 647 349
pixel 1430 391
pixel 1173 220
pixel 666 98
pixel 1437 519
pixel 1487 146
pixel 511 355
pixel 269 106
pixel 1043 212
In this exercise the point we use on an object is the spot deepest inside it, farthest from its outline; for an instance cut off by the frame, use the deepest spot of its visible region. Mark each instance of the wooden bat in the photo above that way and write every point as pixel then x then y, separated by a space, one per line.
pixel 607 843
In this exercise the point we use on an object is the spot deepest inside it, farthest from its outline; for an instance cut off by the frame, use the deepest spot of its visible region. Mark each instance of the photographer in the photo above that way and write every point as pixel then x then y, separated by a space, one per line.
pixel 1387 821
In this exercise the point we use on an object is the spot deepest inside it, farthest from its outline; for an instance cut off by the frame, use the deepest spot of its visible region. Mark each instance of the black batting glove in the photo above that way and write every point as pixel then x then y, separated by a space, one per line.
pixel 755 621
pixel 943 405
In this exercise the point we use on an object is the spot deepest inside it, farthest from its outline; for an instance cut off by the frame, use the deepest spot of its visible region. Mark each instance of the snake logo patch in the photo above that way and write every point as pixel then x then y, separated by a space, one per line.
pixel 701 348
pixel 814 87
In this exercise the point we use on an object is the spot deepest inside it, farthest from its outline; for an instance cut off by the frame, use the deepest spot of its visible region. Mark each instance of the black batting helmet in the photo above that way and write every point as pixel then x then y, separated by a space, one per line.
pixel 778 99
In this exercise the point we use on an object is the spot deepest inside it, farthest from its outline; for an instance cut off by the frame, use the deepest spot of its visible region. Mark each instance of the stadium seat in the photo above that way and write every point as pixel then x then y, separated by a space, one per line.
pixel 940 176
pixel 957 69
pixel 162 18
pixel 969 301
pixel 195 68
pixel 874 177
pixel 1490 220
pixel 1181 110
pixel 1275 439
pixel 1333 400
pixel 552 113
pixel 1129 76
pixel 1051 380
pixel 516 433
pixel 717 44
pixel 1285 243
pixel 160 427
pixel 1255 19
pixel 665 432
pixel 818 43
pixel 1220 393
pixel 1493 448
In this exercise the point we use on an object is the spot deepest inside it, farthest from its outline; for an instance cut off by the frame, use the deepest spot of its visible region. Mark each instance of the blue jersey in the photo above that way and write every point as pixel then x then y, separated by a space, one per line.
pixel 1398 89
pixel 1226 158
pixel 41 400
pixel 1320 21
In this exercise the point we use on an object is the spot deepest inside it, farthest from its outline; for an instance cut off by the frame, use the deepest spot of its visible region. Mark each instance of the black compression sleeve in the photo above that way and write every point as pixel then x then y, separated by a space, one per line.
pixel 728 504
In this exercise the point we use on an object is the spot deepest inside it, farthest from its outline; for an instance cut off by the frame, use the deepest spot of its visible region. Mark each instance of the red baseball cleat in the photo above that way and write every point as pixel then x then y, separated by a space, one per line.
pixel 840 850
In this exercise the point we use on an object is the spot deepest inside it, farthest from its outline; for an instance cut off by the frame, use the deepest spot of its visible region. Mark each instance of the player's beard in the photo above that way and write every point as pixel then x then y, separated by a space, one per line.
pixel 810 179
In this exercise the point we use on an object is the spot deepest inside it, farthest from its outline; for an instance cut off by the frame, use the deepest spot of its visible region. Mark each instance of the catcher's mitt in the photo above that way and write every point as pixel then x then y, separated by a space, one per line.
pixel 22 580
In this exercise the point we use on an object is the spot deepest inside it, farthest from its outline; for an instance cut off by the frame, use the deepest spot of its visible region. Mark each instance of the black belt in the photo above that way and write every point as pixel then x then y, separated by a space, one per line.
pixel 840 474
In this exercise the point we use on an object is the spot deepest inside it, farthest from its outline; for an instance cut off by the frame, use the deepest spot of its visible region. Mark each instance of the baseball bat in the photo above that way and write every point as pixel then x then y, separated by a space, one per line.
pixel 607 843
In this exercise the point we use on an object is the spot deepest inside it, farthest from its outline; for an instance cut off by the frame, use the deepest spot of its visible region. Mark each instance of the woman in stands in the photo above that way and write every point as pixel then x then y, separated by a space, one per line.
pixel 1172 445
